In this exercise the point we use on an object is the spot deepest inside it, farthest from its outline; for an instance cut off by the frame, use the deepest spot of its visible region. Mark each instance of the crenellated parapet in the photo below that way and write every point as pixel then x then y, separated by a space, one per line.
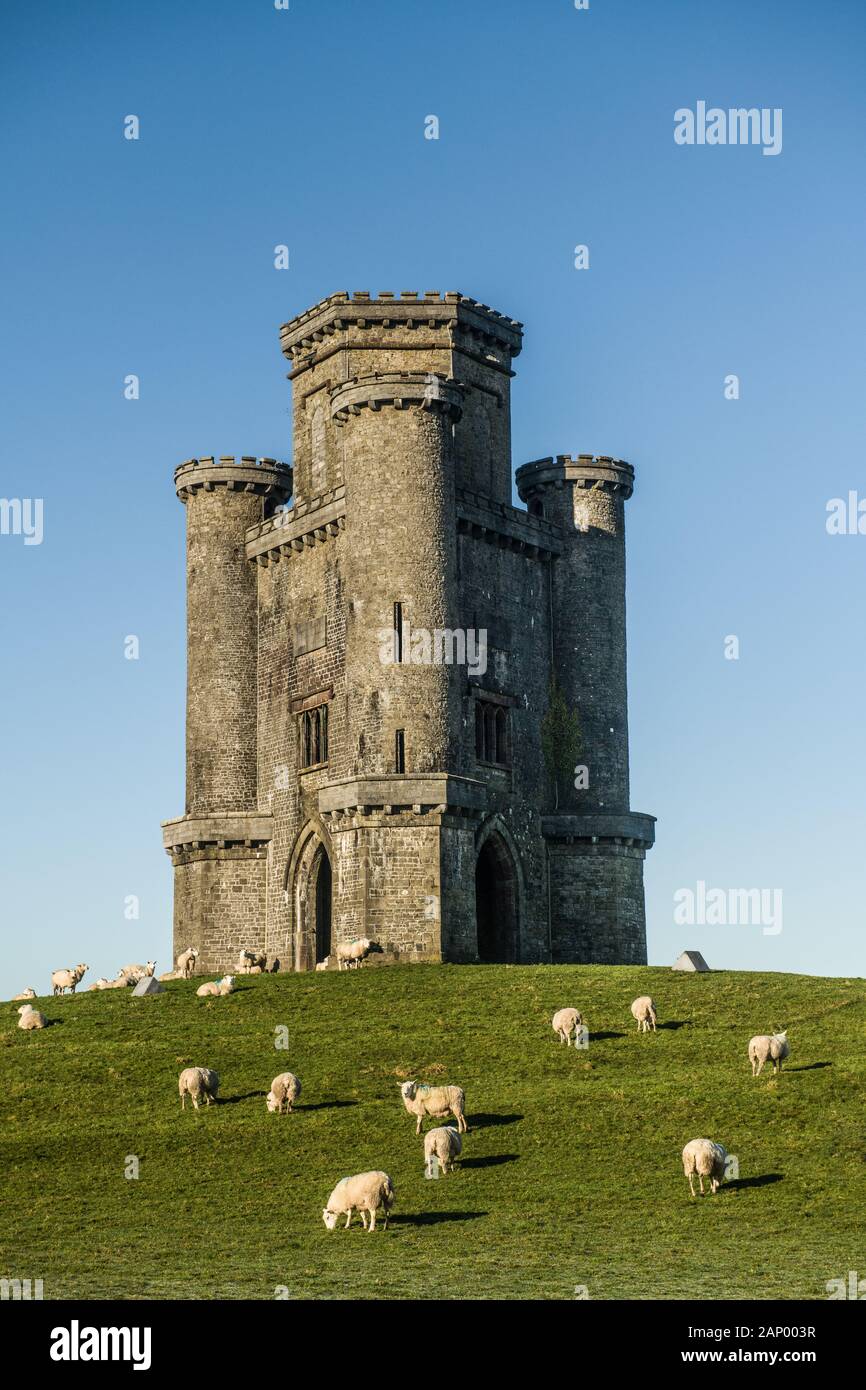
pixel 399 390
pixel 597 471
pixel 263 477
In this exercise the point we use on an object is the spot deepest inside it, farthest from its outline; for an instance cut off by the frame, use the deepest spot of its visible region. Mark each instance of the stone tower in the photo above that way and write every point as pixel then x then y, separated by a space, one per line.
pixel 370 664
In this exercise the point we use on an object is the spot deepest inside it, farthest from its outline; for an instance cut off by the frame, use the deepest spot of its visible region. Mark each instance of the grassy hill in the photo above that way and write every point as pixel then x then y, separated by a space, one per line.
pixel 571 1170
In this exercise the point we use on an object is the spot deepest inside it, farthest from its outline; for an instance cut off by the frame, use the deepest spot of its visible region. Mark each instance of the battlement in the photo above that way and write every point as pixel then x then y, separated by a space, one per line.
pixel 266 477
pixel 447 314
pixel 397 389
pixel 584 470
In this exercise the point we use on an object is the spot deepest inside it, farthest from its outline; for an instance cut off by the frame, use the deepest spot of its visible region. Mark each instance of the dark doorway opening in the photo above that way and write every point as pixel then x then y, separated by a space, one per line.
pixel 496 904
pixel 323 908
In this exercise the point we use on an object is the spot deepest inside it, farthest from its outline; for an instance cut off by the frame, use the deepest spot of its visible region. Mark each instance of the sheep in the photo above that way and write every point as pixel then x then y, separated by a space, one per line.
pixel 100 984
pixel 445 1144
pixel 324 964
pixel 28 993
pixel 284 1091
pixel 566 1023
pixel 708 1160
pixel 186 962
pixel 197 1082
pixel 275 966
pixel 171 975
pixel 366 1192
pixel 351 954
pixel 434 1101
pixel 765 1047
pixel 222 987
pixel 644 1011
pixel 133 973
pixel 67 979
pixel 251 963
pixel 30 1017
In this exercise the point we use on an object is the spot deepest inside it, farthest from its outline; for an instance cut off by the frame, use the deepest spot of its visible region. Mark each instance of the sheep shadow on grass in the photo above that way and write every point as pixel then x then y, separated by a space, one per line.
pixel 328 1105
pixel 674 1023
pixel 433 1218
pixel 487 1121
pixel 491 1161
pixel 813 1066
pixel 763 1180
pixel 234 1100
pixel 601 1037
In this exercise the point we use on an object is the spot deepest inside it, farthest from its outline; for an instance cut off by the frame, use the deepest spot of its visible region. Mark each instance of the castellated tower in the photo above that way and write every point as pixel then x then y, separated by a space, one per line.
pixel 373 635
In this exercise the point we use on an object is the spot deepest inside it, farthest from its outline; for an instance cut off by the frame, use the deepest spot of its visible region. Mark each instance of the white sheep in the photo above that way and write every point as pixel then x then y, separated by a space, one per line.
pixel 365 1192
pixel 222 987
pixel 445 1144
pixel 30 1017
pixel 351 954
pixel 434 1101
pixel 133 973
pixel 101 983
pixel 644 1011
pixel 284 1091
pixel 765 1047
pixel 186 962
pixel 67 979
pixel 28 993
pixel 708 1160
pixel 197 1083
pixel 171 975
pixel 566 1024
pixel 251 963
pixel 323 964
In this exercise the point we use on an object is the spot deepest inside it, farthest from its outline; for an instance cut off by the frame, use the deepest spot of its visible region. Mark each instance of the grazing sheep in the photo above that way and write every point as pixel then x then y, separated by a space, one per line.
pixel 445 1143
pixel 197 1083
pixel 67 979
pixel 366 1192
pixel 323 964
pixel 30 1017
pixel 708 1160
pixel 644 1010
pixel 186 962
pixel 221 987
pixel 765 1047
pixel 566 1024
pixel 434 1101
pixel 284 1091
pixel 28 993
pixel 251 963
pixel 351 954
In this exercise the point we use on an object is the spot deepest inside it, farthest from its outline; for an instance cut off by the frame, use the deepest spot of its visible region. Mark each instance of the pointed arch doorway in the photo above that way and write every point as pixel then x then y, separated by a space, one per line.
pixel 497 901
pixel 310 883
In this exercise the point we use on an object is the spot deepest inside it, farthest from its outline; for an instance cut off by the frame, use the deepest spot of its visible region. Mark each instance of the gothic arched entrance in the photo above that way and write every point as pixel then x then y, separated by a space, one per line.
pixel 497 902
pixel 309 881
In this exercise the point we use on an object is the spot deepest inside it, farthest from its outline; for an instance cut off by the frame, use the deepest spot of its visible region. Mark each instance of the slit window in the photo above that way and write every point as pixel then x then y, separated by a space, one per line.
pixel 400 750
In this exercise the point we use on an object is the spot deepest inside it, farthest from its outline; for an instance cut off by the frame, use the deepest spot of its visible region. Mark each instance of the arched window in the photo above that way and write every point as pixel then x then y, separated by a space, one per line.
pixel 501 755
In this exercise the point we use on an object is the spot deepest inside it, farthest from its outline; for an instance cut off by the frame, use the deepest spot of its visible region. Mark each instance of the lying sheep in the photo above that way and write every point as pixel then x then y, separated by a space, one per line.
pixel 366 1192
pixel 644 1011
pixel 101 983
pixel 221 987
pixel 708 1160
pixel 323 964
pixel 566 1024
pixel 186 962
pixel 434 1101
pixel 445 1144
pixel 251 963
pixel 171 975
pixel 197 1083
pixel 67 979
pixel 28 993
pixel 284 1091
pixel 133 973
pixel 351 954
pixel 765 1047
pixel 30 1017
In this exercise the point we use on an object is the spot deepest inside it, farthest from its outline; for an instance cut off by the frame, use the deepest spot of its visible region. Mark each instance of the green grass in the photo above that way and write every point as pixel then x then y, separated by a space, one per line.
pixel 571 1170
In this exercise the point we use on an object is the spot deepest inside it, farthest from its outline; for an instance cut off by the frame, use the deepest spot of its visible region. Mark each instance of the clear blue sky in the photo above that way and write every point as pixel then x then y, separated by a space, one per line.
pixel 305 127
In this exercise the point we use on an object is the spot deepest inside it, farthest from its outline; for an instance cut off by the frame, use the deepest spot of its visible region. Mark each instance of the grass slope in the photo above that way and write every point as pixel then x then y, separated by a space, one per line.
pixel 571 1172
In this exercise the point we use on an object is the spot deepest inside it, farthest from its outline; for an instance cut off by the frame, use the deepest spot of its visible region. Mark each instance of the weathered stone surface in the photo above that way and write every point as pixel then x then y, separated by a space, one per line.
pixel 690 961
pixel 398 830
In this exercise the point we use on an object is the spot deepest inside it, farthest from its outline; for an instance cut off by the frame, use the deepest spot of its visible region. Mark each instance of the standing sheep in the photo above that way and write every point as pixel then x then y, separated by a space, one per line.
pixel 133 973
pixel 67 979
pixel 186 962
pixel 366 1192
pixel 434 1101
pixel 708 1160
pixel 445 1144
pixel 765 1047
pixel 644 1011
pixel 251 963
pixel 566 1023
pixel 285 1090
pixel 30 1017
pixel 197 1083
pixel 351 954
